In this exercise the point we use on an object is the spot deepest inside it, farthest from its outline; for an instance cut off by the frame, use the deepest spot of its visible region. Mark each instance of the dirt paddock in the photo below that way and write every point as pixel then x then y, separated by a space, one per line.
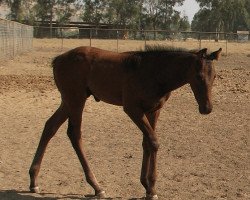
pixel 200 157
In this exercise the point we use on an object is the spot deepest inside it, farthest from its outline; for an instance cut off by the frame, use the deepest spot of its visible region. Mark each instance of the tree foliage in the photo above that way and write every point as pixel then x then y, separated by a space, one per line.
pixel 133 14
pixel 226 15
pixel 60 10
pixel 138 14
pixel 16 9
pixel 93 11
pixel 161 14
pixel 123 13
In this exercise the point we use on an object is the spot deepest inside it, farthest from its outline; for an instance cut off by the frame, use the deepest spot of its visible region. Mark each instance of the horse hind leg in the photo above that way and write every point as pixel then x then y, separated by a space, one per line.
pixel 75 136
pixel 50 129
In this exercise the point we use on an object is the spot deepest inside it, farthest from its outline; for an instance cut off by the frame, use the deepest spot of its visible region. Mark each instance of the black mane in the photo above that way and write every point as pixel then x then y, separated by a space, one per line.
pixel 163 48
pixel 134 58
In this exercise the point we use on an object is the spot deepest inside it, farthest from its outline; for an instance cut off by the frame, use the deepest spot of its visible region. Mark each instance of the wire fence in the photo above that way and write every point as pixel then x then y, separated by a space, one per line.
pixel 15 38
pixel 121 38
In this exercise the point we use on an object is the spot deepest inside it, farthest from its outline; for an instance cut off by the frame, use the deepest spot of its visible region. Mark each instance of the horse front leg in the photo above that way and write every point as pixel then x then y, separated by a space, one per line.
pixel 148 172
pixel 150 148
pixel 145 164
pixel 50 129
pixel 152 170
pixel 152 176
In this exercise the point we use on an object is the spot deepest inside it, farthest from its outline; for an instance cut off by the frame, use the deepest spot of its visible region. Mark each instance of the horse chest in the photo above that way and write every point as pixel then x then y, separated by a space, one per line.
pixel 153 97
pixel 153 104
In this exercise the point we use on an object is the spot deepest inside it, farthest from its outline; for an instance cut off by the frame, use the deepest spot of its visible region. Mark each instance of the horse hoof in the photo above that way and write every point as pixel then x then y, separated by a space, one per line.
pixel 34 189
pixel 101 195
pixel 151 197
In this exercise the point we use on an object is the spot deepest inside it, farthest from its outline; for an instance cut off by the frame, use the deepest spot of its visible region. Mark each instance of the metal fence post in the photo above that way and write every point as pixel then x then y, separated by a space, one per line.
pixel 62 42
pixel 226 43
pixel 90 37
pixel 13 31
pixel 199 40
pixel 117 40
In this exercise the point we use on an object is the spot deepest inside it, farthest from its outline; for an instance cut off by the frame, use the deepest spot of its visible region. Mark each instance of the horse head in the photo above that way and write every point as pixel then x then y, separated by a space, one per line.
pixel 201 77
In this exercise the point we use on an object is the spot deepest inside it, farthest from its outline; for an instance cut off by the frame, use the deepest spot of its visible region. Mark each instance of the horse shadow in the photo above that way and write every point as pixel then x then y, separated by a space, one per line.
pixel 26 195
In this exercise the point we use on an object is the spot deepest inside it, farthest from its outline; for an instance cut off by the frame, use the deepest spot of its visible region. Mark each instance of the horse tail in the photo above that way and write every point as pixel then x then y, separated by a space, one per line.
pixel 55 64
pixel 67 63
pixel 56 61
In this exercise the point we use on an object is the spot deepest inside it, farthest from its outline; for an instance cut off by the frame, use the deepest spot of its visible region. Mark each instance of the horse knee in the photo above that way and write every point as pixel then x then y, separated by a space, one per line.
pixel 55 121
pixel 154 145
pixel 150 145
pixel 50 128
pixel 73 134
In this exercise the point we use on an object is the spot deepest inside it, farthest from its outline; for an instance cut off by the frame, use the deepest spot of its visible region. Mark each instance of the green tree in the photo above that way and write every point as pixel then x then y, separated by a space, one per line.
pixel 20 10
pixel 161 14
pixel 135 14
pixel 168 15
pixel 58 10
pixel 184 24
pixel 94 11
pixel 226 15
pixel 123 13
pixel 15 9
pixel 202 21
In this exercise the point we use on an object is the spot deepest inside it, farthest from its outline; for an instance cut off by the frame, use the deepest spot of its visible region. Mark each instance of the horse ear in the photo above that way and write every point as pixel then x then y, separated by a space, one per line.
pixel 215 55
pixel 202 53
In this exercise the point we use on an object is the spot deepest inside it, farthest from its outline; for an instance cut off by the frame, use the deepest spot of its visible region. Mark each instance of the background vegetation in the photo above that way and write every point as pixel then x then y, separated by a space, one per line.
pixel 214 15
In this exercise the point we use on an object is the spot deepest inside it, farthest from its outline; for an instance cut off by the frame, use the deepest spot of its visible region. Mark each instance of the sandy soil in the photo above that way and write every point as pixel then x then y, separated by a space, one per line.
pixel 201 157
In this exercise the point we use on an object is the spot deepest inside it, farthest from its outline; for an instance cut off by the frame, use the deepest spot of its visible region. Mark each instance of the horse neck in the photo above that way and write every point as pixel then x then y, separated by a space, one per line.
pixel 173 76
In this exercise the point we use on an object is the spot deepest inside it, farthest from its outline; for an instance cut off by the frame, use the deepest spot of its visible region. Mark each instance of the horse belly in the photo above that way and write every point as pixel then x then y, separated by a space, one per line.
pixel 106 85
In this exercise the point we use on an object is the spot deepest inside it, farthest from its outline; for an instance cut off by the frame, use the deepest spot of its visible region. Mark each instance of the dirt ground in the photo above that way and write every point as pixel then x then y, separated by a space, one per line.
pixel 200 157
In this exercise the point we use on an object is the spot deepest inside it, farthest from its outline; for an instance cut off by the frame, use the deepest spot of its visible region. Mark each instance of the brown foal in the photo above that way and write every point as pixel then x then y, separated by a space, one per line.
pixel 140 81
